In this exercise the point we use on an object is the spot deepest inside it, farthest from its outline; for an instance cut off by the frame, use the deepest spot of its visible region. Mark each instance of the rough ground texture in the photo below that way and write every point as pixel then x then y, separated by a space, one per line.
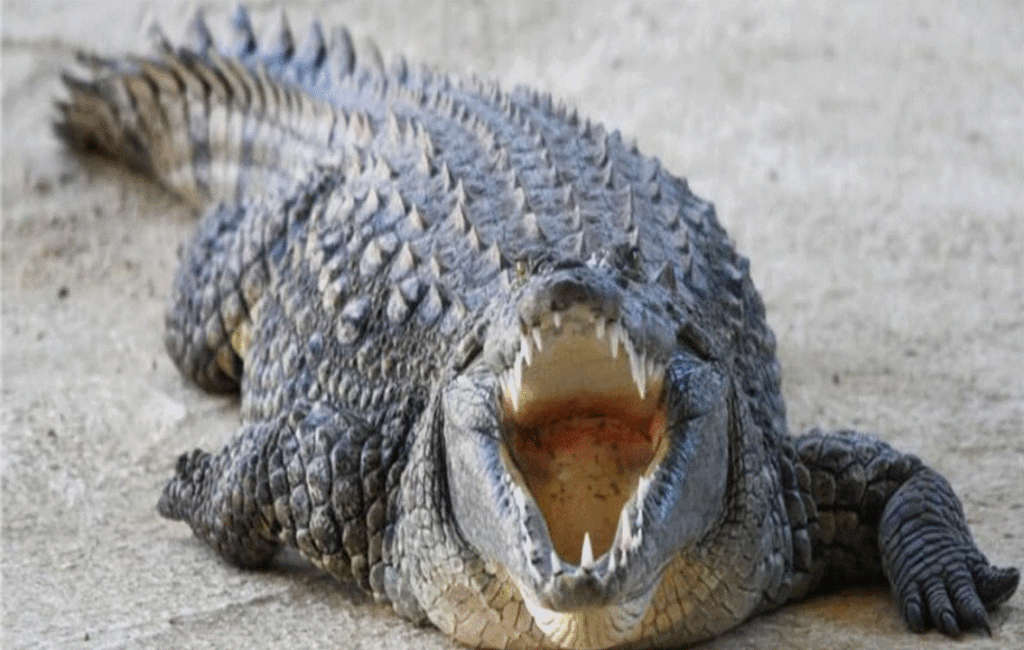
pixel 870 166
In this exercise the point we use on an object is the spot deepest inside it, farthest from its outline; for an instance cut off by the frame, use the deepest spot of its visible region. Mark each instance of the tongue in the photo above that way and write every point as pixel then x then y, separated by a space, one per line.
pixel 582 468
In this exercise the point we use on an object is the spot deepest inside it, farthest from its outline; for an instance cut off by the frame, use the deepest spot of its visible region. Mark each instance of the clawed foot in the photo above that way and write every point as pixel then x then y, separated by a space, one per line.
pixel 953 593
pixel 939 577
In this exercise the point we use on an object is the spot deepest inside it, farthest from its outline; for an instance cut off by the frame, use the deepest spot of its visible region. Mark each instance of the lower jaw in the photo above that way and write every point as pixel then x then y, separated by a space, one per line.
pixel 591 628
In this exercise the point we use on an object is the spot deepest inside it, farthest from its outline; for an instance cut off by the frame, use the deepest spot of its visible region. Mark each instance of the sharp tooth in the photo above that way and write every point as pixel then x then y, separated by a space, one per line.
pixel 614 334
pixel 625 532
pixel 526 349
pixel 556 563
pixel 612 563
pixel 520 498
pixel 557 318
pixel 537 339
pixel 642 384
pixel 511 388
pixel 517 376
pixel 643 484
pixel 599 326
pixel 587 554
pixel 638 367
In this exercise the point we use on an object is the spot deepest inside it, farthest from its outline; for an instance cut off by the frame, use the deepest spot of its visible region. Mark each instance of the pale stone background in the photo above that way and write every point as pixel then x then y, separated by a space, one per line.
pixel 869 158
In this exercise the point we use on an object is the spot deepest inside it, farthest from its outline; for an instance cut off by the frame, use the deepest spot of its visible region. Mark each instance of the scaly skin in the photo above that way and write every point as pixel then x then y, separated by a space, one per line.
pixel 463 322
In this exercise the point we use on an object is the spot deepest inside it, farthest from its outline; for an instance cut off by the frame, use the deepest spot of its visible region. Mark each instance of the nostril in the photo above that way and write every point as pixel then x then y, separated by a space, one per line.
pixel 567 264
pixel 594 292
pixel 568 292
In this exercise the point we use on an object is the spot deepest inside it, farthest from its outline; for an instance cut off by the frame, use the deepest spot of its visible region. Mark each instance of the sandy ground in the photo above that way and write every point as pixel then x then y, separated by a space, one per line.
pixel 868 158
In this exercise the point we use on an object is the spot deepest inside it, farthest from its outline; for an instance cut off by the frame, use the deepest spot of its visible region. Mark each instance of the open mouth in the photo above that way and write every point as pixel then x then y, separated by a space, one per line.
pixel 584 424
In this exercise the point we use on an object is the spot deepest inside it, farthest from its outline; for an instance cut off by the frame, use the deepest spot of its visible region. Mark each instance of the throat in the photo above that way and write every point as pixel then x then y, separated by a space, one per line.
pixel 582 462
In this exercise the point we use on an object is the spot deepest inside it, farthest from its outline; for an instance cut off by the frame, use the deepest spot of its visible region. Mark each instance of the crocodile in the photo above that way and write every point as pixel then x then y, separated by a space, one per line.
pixel 497 368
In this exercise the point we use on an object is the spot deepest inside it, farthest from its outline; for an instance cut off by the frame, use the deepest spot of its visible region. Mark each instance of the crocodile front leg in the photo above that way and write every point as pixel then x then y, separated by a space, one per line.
pixel 310 479
pixel 881 512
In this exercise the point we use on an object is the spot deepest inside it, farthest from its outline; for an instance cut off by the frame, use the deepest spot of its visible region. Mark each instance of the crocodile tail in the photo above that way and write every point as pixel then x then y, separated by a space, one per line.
pixel 209 125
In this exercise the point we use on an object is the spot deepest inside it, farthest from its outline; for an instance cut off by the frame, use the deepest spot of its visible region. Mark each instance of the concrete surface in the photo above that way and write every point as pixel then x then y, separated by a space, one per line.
pixel 867 157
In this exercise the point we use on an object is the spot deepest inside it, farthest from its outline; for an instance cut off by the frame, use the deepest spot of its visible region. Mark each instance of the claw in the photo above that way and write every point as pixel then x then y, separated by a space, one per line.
pixel 947 624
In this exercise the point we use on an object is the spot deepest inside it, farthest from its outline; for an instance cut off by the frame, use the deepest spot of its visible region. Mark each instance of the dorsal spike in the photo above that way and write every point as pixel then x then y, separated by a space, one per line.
pixel 424 139
pixel 414 220
pixel 569 196
pixel 500 161
pixel 197 36
pixel 519 197
pixel 576 219
pixel 423 164
pixel 400 69
pixel 496 259
pixel 371 59
pixel 447 180
pixel 457 219
pixel 339 207
pixel 370 205
pixel 405 261
pixel 577 244
pixel 628 217
pixel 545 156
pixel 360 127
pixel 382 169
pixel 573 117
pixel 313 51
pixel 459 193
pixel 341 54
pixel 244 42
pixel 653 191
pixel 159 39
pixel 437 269
pixel 396 205
pixel 473 237
pixel 531 227
pixel 605 174
pixel 600 154
pixel 671 216
pixel 506 281
pixel 278 46
pixel 432 305
pixel 666 277
pixel 372 259
pixel 397 309
pixel 394 127
pixel 353 162
pixel 651 168
pixel 410 288
pixel 456 310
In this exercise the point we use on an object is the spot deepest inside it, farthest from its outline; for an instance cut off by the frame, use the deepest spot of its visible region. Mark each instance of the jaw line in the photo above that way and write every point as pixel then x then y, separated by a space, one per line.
pixel 589 628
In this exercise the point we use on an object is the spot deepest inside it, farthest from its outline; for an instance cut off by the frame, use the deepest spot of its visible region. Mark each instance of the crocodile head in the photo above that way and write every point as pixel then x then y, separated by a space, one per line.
pixel 586 449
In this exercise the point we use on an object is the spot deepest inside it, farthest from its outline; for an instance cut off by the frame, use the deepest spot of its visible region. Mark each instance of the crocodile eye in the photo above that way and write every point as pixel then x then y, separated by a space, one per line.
pixel 633 257
pixel 692 387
